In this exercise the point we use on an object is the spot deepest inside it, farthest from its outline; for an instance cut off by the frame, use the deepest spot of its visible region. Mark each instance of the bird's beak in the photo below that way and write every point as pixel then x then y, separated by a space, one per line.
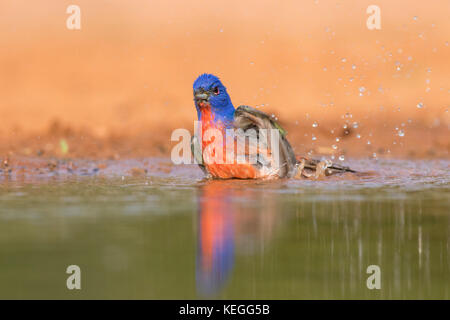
pixel 201 96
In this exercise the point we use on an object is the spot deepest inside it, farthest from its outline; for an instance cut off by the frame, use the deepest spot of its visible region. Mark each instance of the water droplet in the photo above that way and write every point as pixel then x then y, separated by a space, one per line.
pixel 353 66
pixel 355 125
pixel 315 125
pixel 361 90
pixel 334 146
pixel 337 139
pixel 341 157
pixel 420 105
pixel 368 141
pixel 401 133
pixel 415 18
pixel 343 60
pixel 313 138
pixel 358 136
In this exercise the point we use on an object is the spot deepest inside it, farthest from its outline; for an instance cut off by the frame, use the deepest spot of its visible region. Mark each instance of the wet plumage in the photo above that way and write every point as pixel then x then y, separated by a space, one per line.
pixel 217 114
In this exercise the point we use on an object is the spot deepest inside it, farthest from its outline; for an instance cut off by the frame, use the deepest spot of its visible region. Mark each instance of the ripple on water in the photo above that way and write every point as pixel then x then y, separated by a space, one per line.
pixel 161 173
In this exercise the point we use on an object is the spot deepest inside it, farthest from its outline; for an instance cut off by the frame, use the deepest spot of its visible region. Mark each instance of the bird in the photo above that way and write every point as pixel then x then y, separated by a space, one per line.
pixel 216 112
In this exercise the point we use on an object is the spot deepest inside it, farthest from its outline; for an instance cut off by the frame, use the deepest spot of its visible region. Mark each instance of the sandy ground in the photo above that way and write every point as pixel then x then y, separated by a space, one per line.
pixel 120 85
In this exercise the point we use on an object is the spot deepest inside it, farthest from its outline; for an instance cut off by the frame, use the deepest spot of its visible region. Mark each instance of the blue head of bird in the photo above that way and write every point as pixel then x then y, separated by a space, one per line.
pixel 209 92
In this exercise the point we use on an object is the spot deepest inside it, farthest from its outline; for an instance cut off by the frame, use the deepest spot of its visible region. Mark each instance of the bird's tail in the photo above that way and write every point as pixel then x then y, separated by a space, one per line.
pixel 311 167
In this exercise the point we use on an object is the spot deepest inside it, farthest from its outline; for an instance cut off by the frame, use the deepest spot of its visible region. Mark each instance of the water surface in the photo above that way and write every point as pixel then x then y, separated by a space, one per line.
pixel 167 233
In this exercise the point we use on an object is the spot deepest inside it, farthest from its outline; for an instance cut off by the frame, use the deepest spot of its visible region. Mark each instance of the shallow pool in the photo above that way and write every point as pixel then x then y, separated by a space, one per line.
pixel 146 229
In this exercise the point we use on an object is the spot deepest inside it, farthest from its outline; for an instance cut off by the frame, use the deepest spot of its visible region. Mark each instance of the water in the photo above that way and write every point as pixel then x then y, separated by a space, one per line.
pixel 166 233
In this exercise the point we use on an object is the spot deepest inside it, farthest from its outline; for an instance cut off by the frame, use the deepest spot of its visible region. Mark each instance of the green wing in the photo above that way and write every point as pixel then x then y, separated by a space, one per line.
pixel 242 113
pixel 246 117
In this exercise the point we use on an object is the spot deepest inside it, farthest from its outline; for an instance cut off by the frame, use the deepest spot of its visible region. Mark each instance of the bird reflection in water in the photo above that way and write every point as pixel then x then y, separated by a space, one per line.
pixel 230 218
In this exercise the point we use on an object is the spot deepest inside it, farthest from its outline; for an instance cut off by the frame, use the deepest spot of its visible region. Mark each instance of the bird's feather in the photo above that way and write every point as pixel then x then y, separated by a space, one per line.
pixel 247 118
pixel 196 149
pixel 310 166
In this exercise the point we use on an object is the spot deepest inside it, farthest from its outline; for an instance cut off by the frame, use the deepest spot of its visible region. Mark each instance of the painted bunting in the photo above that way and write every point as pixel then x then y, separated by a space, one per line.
pixel 216 112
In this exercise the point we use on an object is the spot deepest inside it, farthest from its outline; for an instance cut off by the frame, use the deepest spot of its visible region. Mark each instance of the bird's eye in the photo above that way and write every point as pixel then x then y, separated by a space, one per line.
pixel 216 91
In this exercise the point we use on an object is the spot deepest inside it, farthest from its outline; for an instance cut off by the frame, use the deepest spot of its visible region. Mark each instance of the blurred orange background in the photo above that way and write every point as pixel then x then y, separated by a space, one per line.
pixel 121 84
